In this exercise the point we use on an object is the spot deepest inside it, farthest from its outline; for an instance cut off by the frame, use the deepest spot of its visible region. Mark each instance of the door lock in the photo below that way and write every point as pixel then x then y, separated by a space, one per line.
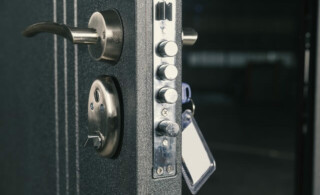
pixel 104 34
pixel 104 116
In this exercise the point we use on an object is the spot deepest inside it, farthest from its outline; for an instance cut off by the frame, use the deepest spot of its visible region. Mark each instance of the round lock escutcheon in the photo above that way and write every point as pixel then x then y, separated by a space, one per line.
pixel 104 116
pixel 108 26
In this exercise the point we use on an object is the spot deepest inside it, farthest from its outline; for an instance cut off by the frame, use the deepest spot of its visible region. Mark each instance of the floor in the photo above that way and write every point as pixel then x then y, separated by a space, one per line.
pixel 253 146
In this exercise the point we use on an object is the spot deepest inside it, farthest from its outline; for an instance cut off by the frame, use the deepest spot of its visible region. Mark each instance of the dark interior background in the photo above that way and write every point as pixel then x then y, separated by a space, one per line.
pixel 243 74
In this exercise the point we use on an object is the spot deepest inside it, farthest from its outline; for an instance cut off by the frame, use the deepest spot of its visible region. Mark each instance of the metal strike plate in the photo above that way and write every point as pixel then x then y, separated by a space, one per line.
pixel 104 116
pixel 165 128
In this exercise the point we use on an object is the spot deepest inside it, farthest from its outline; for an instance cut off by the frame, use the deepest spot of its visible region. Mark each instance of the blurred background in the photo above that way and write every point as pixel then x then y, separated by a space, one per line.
pixel 244 79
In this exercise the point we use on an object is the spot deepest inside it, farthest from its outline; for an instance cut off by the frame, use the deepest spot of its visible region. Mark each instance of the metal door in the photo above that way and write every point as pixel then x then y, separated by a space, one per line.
pixel 45 82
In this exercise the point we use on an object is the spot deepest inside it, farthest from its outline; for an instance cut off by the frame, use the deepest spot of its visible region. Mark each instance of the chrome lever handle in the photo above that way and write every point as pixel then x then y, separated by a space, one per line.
pixel 104 34
pixel 74 34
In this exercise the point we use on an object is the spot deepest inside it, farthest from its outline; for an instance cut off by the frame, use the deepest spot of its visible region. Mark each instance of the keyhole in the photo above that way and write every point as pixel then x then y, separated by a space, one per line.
pixel 97 95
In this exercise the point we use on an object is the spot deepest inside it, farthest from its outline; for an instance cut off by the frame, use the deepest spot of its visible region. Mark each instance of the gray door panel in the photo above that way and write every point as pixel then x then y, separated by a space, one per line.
pixel 44 95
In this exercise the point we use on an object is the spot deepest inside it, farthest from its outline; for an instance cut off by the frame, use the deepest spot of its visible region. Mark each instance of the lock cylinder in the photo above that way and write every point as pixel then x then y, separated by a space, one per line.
pixel 168 128
pixel 104 116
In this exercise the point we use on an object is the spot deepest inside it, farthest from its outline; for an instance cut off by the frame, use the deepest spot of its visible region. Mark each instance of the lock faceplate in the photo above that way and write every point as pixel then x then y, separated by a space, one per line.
pixel 165 95
pixel 104 116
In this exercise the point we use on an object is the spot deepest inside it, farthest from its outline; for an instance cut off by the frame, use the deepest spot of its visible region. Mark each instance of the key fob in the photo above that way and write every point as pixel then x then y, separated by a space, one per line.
pixel 198 163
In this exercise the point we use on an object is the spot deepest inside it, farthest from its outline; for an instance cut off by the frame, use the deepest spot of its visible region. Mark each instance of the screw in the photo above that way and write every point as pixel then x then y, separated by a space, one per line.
pixel 101 107
pixel 160 171
pixel 165 142
pixel 164 112
pixel 91 106
pixel 169 168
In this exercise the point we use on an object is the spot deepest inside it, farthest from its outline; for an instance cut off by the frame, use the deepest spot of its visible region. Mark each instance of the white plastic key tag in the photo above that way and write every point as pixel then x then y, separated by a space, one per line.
pixel 197 161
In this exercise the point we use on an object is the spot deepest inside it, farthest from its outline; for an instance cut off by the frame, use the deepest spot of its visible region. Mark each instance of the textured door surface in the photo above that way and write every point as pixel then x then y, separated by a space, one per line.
pixel 44 84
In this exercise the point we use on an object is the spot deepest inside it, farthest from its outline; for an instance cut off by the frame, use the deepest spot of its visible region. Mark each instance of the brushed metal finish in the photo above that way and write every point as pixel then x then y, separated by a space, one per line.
pixel 104 115
pixel 75 35
pixel 168 95
pixel 168 49
pixel 164 53
pixel 189 36
pixel 104 34
pixel 108 25
pixel 168 72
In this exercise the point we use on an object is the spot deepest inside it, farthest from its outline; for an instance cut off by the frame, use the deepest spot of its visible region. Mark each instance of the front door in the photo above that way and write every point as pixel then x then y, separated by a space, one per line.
pixel 45 86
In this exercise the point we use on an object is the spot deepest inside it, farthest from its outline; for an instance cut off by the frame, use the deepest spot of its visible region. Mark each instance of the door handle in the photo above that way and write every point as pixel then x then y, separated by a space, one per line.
pixel 73 34
pixel 104 34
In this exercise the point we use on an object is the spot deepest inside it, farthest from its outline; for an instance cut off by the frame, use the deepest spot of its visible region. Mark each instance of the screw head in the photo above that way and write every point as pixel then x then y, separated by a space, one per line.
pixel 101 107
pixel 169 168
pixel 165 142
pixel 164 112
pixel 159 170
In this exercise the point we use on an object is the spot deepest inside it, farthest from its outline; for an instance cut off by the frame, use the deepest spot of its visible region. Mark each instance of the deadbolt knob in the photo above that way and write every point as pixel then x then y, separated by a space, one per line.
pixel 168 49
pixel 168 72
pixel 168 128
pixel 168 95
